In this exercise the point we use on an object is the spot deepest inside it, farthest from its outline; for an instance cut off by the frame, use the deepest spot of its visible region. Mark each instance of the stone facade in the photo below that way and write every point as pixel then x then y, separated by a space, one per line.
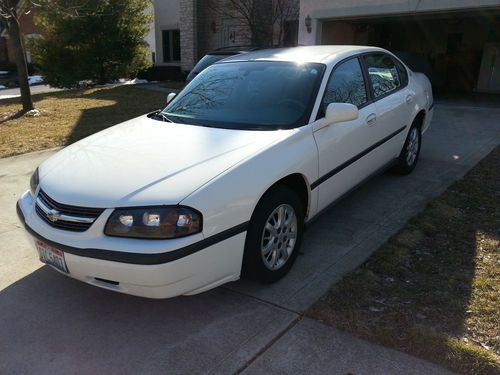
pixel 206 25
pixel 217 28
pixel 188 31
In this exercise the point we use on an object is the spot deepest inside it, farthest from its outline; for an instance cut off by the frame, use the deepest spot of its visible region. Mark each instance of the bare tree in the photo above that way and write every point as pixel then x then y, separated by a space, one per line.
pixel 259 17
pixel 11 11
pixel 283 11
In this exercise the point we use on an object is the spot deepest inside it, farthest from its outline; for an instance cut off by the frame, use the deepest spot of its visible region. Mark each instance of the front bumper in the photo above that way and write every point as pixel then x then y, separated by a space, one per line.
pixel 147 268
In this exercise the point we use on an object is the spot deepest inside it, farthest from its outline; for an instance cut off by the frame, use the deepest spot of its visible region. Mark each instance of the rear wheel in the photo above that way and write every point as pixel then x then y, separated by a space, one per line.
pixel 274 236
pixel 408 157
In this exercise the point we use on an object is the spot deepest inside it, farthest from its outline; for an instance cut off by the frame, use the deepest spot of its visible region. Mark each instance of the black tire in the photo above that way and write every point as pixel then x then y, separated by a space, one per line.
pixel 405 163
pixel 254 263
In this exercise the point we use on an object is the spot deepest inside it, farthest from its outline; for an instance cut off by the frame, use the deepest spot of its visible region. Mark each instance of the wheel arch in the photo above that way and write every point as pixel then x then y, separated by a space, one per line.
pixel 298 183
pixel 419 119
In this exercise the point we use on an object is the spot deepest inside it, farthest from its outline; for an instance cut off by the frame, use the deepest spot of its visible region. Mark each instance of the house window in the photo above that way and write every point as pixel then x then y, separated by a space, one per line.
pixel 171 45
pixel 291 33
pixel 3 50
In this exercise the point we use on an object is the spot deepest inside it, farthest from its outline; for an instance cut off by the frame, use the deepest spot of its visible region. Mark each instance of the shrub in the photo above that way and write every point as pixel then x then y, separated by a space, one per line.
pixel 91 41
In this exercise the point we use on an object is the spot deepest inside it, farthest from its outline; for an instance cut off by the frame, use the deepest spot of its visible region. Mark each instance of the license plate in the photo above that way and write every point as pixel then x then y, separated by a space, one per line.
pixel 51 256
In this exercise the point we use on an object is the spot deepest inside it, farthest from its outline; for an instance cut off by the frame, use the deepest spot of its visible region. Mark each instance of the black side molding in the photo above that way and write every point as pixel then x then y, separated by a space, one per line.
pixel 355 158
pixel 139 258
pixel 20 214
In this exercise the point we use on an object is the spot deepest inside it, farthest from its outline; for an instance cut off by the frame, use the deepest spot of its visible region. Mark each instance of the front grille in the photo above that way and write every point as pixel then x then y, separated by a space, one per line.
pixel 71 215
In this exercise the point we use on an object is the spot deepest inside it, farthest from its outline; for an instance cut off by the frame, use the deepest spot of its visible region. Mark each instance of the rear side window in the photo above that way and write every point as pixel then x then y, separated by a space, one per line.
pixel 346 85
pixel 383 73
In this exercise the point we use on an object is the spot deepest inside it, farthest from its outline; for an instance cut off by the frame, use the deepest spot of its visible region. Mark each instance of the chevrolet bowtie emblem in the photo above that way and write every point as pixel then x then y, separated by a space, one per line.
pixel 53 215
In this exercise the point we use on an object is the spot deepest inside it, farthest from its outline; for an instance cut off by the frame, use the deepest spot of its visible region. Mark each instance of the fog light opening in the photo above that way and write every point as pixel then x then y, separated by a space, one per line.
pixel 106 281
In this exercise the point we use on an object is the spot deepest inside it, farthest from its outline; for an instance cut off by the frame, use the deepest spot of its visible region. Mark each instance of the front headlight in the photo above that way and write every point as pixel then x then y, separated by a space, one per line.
pixel 34 180
pixel 157 222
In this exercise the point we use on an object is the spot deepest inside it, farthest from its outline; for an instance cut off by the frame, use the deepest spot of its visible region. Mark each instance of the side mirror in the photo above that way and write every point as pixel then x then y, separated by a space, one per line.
pixel 338 112
pixel 170 97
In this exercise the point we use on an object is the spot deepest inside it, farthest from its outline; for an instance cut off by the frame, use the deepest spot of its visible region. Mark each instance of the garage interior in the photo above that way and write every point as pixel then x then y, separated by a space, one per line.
pixel 459 51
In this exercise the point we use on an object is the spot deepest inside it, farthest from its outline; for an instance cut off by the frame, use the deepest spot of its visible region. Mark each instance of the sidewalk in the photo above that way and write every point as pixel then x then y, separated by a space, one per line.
pixel 158 86
pixel 37 89
pixel 314 348
pixel 43 89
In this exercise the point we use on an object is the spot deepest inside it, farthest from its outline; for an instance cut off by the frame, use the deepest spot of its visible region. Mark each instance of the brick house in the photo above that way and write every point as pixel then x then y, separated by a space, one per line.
pixel 185 30
pixel 28 29
pixel 182 32
pixel 456 42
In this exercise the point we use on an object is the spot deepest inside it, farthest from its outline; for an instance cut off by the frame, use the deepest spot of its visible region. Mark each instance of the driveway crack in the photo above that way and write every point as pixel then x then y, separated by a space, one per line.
pixel 248 363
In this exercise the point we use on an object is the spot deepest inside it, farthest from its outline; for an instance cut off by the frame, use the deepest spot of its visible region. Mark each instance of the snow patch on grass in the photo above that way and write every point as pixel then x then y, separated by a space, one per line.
pixel 33 80
pixel 135 81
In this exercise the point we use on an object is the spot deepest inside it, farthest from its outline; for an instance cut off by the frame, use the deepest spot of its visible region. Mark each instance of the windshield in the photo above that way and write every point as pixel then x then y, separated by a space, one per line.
pixel 249 95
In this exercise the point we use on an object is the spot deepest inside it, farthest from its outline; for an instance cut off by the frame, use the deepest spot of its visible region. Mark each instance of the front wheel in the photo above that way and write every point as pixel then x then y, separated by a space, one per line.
pixel 274 236
pixel 408 157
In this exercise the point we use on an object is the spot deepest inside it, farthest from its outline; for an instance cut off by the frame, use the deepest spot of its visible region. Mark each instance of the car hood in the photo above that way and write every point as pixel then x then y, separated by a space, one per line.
pixel 146 162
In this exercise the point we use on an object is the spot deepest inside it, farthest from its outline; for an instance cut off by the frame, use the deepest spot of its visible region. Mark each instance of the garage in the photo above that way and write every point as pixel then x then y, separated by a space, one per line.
pixel 459 49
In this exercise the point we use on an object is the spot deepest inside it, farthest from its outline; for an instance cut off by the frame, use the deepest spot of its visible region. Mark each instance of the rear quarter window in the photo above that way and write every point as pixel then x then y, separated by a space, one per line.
pixel 403 72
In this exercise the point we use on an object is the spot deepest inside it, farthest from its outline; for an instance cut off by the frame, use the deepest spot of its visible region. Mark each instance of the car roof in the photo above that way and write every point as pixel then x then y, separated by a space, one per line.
pixel 313 54
pixel 224 53
pixel 233 50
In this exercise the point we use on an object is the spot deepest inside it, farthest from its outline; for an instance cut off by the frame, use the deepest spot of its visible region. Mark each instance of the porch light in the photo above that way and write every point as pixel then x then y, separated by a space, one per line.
pixel 308 23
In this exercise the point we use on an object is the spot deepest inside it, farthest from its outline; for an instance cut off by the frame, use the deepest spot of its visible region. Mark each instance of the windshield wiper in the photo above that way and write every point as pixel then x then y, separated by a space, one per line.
pixel 161 116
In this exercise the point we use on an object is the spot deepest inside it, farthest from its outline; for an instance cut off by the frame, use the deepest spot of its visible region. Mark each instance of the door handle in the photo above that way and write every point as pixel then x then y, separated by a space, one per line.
pixel 371 119
pixel 409 99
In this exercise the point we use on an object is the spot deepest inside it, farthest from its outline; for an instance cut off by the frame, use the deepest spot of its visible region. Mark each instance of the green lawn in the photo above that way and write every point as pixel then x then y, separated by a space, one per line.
pixel 433 290
pixel 68 116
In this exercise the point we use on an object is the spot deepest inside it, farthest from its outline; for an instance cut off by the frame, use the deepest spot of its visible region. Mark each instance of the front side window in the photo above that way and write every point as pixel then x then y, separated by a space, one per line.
pixel 346 85
pixel 249 95
pixel 384 75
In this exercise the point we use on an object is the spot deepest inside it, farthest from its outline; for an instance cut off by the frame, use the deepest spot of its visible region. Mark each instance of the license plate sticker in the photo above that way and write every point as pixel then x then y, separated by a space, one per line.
pixel 51 256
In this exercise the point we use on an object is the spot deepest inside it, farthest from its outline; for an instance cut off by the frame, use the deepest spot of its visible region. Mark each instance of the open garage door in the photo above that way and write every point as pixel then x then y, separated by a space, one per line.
pixel 459 51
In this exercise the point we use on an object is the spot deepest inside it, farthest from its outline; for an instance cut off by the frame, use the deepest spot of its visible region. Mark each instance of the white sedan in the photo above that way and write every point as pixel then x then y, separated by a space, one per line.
pixel 222 181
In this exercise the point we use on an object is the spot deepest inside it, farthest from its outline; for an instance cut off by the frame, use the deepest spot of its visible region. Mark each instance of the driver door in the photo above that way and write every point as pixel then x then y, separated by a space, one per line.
pixel 345 158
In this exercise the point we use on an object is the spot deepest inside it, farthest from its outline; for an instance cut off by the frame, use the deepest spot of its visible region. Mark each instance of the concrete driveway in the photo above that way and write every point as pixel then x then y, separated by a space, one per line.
pixel 53 324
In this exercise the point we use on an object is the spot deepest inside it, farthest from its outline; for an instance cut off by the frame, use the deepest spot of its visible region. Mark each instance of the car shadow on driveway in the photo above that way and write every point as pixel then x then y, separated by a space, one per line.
pixel 54 324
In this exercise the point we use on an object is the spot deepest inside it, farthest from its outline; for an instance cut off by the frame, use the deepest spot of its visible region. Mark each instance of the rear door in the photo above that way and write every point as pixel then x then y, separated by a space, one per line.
pixel 388 82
